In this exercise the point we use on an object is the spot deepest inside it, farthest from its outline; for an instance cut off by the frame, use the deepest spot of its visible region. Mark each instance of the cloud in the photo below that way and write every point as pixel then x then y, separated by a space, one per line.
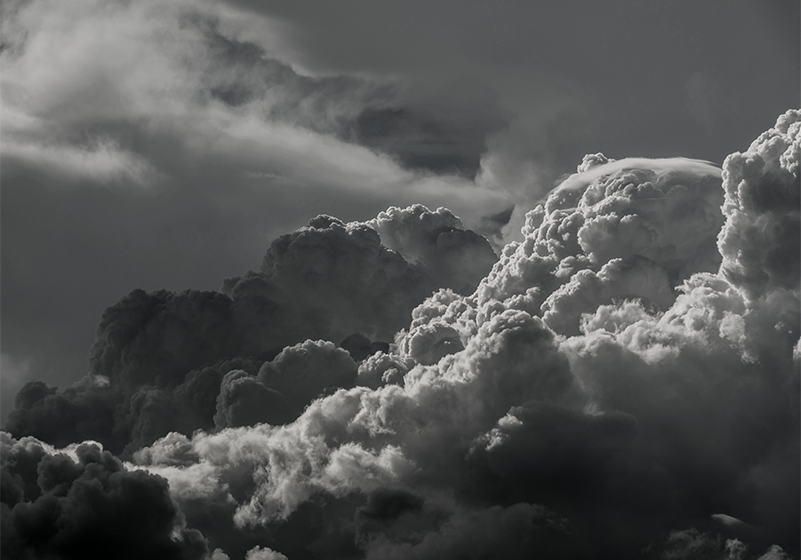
pixel 124 124
pixel 759 243
pixel 133 133
pixel 644 417
pixel 623 379
pixel 259 553
pixel 193 360
pixel 87 506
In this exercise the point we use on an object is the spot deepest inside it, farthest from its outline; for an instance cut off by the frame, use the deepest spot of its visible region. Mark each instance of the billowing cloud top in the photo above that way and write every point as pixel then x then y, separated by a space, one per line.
pixel 622 383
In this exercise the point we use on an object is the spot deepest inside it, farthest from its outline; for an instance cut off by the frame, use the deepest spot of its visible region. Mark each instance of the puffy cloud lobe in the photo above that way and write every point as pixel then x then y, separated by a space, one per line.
pixel 283 387
pixel 87 505
pixel 264 553
pixel 634 278
pixel 84 411
pixel 245 401
pixel 285 465
pixel 668 218
pixel 454 257
pixel 382 368
pixel 760 242
pixel 661 224
pixel 304 371
pixel 330 279
pixel 429 343
pixel 367 278
pixel 340 278
pixel 158 337
pixel 514 359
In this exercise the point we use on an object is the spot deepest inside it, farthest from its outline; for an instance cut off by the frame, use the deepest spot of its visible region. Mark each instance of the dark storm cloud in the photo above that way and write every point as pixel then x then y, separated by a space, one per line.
pixel 622 383
pixel 160 359
pixel 762 187
pixel 154 146
pixel 86 504
pixel 84 411
pixel 284 386
pixel 209 129
pixel 518 531
pixel 570 406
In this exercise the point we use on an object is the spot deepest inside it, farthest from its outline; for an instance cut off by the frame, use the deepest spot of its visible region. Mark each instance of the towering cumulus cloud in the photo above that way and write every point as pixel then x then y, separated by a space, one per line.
pixel 622 383
pixel 161 360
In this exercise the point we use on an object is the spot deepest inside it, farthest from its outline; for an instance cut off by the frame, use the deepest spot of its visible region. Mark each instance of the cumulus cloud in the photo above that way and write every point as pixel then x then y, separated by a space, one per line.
pixel 517 531
pixel 591 405
pixel 623 382
pixel 86 504
pixel 760 242
pixel 164 361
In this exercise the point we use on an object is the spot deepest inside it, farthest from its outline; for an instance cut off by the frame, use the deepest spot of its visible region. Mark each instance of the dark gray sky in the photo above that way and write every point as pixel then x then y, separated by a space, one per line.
pixel 163 145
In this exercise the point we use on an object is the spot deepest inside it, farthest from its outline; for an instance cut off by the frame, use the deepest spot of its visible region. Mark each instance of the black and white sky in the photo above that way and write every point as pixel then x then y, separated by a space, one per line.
pixel 608 370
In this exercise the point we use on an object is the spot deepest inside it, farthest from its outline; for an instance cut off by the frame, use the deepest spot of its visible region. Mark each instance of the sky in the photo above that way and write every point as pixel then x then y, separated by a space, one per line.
pixel 231 217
